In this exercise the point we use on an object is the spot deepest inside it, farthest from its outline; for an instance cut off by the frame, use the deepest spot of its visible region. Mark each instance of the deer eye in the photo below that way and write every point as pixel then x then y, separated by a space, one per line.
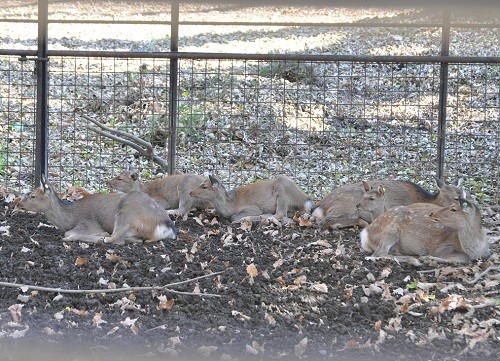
pixel 372 198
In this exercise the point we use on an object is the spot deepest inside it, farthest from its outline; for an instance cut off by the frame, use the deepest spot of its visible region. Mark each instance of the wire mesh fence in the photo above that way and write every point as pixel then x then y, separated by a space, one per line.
pixel 324 123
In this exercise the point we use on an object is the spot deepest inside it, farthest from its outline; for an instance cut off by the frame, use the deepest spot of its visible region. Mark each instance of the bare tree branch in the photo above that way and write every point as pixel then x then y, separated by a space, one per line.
pixel 165 288
pixel 130 140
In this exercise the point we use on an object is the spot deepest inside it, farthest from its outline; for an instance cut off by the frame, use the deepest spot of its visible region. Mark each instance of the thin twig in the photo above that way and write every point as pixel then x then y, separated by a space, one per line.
pixel 165 288
pixel 479 276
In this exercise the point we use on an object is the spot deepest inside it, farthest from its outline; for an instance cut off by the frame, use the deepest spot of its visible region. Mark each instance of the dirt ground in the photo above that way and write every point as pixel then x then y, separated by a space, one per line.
pixel 270 292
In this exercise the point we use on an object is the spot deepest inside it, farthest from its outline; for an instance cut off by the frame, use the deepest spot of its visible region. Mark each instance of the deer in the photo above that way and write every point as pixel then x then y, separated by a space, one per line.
pixel 172 191
pixel 258 201
pixel 115 218
pixel 358 204
pixel 448 234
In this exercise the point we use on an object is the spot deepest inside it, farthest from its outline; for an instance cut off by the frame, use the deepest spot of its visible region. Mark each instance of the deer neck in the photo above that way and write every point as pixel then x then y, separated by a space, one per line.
pixel 471 238
pixel 62 214
pixel 144 187
pixel 225 204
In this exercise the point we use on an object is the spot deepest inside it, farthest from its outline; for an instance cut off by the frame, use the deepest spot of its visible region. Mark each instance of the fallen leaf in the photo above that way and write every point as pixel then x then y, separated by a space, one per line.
pixel 300 280
pixel 240 315
pixel 300 348
pixel 112 257
pixel 165 304
pixel 246 225
pixel 128 321
pixel 319 287
pixel 15 311
pixel 59 315
pixel 252 270
pixel 249 349
pixel 385 272
pixel 97 320
pixel 270 319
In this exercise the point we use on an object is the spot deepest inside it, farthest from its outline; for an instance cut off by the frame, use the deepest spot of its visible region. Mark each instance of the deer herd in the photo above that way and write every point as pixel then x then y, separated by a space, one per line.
pixel 399 219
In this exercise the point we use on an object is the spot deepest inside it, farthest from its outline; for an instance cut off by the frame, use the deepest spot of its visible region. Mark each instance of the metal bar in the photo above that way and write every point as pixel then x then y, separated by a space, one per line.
pixel 41 126
pixel 14 52
pixel 173 89
pixel 443 94
pixel 273 57
pixel 262 23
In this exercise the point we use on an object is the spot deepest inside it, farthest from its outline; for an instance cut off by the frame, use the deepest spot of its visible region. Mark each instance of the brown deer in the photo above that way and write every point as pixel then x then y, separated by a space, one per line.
pixel 452 233
pixel 264 199
pixel 172 191
pixel 116 218
pixel 360 203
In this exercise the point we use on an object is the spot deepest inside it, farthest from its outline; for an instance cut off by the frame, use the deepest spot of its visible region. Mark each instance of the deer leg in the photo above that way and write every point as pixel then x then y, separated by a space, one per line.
pixel 334 222
pixel 447 253
pixel 409 259
pixel 281 205
pixel 121 231
pixel 185 204
pixel 252 214
pixel 89 231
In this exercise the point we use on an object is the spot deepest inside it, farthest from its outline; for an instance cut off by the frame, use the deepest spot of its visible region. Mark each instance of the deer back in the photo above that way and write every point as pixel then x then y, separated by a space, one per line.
pixel 261 194
pixel 65 214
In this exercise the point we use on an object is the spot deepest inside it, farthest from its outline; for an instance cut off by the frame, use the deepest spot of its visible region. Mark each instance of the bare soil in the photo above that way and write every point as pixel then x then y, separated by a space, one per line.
pixel 284 292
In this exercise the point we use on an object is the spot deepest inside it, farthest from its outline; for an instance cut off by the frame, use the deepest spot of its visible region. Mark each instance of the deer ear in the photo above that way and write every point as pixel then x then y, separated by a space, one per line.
pixel 45 185
pixel 439 183
pixel 366 186
pixel 381 190
pixel 466 205
pixel 214 180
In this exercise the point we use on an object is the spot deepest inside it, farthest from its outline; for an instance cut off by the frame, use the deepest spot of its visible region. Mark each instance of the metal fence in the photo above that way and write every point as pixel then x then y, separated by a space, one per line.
pixel 324 119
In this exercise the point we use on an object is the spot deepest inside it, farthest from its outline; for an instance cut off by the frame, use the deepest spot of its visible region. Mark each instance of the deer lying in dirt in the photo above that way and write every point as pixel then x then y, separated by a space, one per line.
pixel 452 233
pixel 360 203
pixel 116 218
pixel 264 199
pixel 172 191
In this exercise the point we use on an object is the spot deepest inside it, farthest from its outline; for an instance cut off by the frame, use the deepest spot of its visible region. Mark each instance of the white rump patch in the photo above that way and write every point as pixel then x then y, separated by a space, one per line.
pixel 163 231
pixel 318 213
pixel 365 242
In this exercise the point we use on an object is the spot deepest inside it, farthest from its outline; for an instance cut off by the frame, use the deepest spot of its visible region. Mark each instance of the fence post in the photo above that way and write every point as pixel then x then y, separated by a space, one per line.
pixel 443 93
pixel 173 86
pixel 42 83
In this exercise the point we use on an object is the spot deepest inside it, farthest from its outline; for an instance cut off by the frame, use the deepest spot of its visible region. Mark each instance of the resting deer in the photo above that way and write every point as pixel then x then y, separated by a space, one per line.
pixel 116 218
pixel 452 233
pixel 272 198
pixel 172 191
pixel 360 203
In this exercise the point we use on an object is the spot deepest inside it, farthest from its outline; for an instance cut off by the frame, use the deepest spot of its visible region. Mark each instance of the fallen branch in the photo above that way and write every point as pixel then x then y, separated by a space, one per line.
pixel 479 276
pixel 130 140
pixel 165 288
